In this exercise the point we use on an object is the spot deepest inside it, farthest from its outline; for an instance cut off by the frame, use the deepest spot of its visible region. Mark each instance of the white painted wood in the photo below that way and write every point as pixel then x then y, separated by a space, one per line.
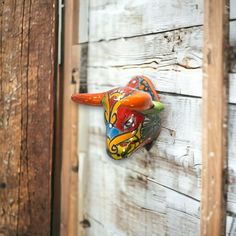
pixel 170 79
pixel 232 32
pixel 155 193
pixel 163 57
pixel 83 21
pixel 172 59
pixel 231 226
pixel 232 160
pixel 83 144
pixel 175 160
pixel 183 47
pixel 111 19
pixel 83 128
pixel 231 196
pixel 232 9
pixel 120 201
pixel 81 194
pixel 176 154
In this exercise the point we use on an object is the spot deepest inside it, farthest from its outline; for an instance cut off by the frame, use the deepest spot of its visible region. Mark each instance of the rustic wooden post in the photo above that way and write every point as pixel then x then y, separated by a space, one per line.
pixel 26 115
pixel 69 174
pixel 215 98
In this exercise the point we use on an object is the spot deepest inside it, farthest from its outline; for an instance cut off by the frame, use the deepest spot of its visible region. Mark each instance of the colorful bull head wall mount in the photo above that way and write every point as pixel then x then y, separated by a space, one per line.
pixel 131 116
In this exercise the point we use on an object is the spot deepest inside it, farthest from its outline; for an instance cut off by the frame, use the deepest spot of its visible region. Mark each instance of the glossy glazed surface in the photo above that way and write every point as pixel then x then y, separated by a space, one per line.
pixel 131 115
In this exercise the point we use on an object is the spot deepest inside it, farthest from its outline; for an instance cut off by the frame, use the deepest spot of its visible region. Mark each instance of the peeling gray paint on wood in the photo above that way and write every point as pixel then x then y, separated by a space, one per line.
pixel 156 192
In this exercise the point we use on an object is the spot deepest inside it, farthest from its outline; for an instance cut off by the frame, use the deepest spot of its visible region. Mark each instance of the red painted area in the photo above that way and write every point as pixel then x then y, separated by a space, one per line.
pixel 123 116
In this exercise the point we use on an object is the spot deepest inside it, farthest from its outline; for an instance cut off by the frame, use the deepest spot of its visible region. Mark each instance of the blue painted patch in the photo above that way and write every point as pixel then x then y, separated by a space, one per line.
pixel 112 131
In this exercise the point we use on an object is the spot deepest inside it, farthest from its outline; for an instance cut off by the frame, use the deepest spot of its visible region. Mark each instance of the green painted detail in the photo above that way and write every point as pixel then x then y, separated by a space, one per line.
pixel 158 106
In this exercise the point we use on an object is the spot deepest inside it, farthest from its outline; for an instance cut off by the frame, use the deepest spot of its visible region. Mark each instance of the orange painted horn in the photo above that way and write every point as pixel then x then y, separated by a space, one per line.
pixel 92 99
pixel 138 101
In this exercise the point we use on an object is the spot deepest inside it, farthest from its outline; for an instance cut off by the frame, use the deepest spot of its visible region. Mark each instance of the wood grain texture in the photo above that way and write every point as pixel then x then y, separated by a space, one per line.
pixel 174 163
pixel 109 19
pixel 130 203
pixel 26 116
pixel 173 58
pixel 185 82
pixel 146 194
pixel 119 75
pixel 69 172
pixel 178 150
pixel 215 98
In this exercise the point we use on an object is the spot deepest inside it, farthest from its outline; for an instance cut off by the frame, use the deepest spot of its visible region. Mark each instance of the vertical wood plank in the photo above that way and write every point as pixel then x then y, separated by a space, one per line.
pixel 83 147
pixel 215 98
pixel 69 175
pixel 27 60
pixel 83 20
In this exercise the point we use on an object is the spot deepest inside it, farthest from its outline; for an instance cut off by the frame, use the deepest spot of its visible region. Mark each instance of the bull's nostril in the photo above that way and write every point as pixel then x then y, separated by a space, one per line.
pixel 115 156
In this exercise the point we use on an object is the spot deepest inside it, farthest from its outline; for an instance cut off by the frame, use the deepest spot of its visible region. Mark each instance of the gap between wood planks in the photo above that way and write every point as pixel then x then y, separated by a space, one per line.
pixel 147 34
pixel 140 35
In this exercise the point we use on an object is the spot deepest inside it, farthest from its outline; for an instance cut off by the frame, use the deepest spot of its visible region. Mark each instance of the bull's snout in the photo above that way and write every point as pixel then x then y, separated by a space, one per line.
pixel 116 153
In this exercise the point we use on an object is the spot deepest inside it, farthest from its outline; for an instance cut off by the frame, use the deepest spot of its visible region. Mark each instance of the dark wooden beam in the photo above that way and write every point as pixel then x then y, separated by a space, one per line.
pixel 27 60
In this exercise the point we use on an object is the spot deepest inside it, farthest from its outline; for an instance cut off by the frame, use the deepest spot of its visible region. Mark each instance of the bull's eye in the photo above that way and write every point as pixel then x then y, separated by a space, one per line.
pixel 129 123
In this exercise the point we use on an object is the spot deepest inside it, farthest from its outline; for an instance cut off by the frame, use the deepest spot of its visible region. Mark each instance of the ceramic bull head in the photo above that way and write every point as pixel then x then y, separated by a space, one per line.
pixel 131 116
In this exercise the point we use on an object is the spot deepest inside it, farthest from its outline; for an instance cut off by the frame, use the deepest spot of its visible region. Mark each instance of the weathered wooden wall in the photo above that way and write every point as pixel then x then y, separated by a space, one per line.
pixel 156 192
pixel 27 42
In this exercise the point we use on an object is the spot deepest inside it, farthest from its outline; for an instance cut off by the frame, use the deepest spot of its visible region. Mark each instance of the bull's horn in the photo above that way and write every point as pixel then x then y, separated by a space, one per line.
pixel 138 101
pixel 92 99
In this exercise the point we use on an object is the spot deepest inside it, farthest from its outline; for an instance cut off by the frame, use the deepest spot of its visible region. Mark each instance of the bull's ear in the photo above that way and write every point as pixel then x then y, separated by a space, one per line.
pixel 92 99
pixel 138 101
